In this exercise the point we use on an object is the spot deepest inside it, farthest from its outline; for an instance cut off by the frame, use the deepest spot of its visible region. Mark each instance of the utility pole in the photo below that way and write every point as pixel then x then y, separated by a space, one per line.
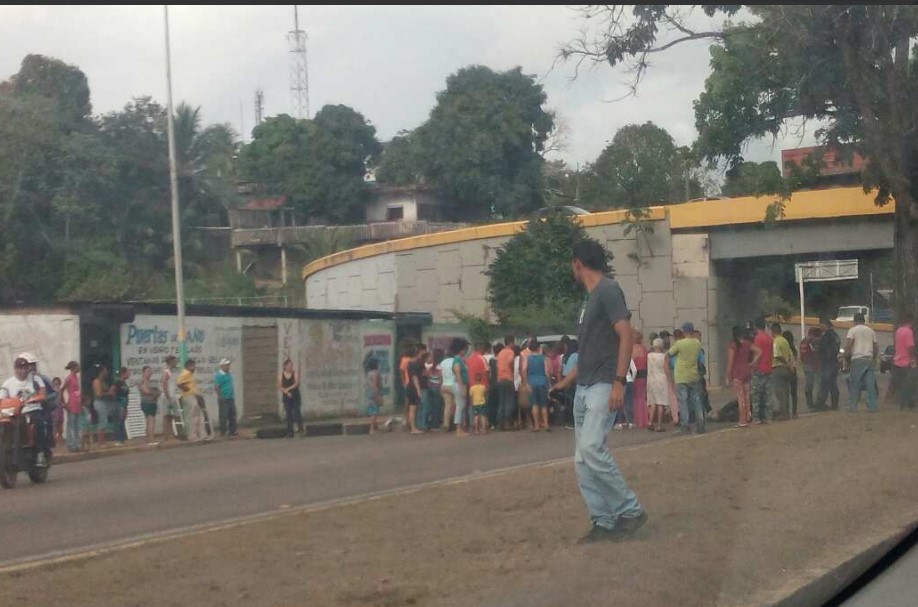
pixel 173 187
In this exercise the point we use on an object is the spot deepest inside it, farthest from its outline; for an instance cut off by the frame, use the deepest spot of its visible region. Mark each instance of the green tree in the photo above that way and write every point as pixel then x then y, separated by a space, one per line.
pixel 531 285
pixel 65 85
pixel 561 184
pixel 853 68
pixel 399 164
pixel 642 166
pixel 481 144
pixel 318 163
pixel 352 130
pixel 85 201
pixel 754 179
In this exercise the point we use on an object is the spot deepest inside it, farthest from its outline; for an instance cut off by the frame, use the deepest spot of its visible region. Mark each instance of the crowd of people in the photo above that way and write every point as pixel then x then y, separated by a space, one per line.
pixel 469 390
pixel 505 386
pixel 84 419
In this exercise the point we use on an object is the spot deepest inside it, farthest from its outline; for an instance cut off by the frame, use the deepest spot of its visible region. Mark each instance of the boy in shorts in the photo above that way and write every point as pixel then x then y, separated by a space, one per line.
pixel 479 395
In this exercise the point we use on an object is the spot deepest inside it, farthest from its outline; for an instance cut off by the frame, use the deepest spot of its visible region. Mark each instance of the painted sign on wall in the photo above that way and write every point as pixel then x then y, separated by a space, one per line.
pixel 439 335
pixel 149 339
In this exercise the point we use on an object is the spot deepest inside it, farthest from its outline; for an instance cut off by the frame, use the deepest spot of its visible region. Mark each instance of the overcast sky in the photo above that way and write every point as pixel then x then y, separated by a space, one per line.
pixel 386 62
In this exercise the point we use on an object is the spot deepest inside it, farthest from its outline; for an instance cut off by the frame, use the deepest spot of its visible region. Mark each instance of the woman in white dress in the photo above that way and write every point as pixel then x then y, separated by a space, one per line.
pixel 657 385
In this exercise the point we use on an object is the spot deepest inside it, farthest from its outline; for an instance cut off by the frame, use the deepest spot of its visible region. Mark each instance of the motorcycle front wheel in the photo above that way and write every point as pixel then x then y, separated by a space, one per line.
pixel 38 475
pixel 7 465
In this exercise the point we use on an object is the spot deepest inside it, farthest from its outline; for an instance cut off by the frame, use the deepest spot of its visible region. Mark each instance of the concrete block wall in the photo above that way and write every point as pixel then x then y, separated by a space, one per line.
pixel 667 278
pixel 362 284
pixel 696 288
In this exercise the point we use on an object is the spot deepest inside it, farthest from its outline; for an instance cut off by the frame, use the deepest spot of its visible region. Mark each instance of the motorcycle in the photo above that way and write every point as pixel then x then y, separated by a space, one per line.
pixel 18 452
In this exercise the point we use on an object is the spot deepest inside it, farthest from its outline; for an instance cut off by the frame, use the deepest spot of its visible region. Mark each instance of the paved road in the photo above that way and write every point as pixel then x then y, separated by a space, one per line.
pixel 116 498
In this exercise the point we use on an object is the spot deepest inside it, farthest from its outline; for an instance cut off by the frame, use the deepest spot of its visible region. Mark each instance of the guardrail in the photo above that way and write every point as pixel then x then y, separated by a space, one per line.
pixel 249 237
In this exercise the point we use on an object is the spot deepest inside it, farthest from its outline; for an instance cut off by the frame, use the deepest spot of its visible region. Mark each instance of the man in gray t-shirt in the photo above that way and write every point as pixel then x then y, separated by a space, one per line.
pixel 599 343
pixel 605 355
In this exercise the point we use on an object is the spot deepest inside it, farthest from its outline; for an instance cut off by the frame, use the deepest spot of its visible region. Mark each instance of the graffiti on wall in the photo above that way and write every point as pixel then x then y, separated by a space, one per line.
pixel 330 356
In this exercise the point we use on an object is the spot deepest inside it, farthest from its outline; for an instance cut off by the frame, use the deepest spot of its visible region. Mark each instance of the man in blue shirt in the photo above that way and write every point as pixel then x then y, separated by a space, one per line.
pixel 226 397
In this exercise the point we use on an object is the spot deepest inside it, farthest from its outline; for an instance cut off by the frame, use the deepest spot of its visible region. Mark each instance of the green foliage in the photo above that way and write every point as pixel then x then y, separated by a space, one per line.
pixel 754 179
pixel 560 184
pixel 352 130
pixel 85 201
pixel 322 243
pixel 549 316
pixel 96 273
pixel 531 279
pixel 640 167
pixel 478 328
pixel 318 163
pixel 223 282
pixel 850 67
pixel 480 147
pixel 399 164
pixel 64 85
pixel 768 304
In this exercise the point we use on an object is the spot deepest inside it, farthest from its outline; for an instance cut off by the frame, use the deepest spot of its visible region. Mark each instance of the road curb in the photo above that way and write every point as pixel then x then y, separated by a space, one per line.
pixel 70 458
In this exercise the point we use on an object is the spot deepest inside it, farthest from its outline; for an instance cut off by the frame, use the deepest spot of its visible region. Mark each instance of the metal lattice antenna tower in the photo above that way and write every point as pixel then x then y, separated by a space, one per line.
pixel 299 74
pixel 259 106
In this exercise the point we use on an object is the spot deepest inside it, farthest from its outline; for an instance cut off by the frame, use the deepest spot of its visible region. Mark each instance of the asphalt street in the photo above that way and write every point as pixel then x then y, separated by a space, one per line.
pixel 111 499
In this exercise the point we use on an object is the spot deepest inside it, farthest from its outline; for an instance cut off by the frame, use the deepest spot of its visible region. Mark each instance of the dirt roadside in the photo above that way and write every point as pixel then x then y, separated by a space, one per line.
pixel 735 516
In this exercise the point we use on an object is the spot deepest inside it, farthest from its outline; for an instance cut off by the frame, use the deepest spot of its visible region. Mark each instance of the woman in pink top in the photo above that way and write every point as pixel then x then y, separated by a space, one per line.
pixel 739 373
pixel 639 391
pixel 72 401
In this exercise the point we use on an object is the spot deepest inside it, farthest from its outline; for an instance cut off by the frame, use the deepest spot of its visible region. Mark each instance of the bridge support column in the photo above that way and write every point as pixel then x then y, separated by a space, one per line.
pixel 283 265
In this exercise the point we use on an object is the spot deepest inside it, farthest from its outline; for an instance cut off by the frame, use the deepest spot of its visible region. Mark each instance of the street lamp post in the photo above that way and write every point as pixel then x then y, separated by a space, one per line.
pixel 173 186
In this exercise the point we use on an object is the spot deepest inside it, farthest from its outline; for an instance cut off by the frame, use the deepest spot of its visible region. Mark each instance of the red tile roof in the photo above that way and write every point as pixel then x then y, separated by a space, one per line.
pixel 265 204
pixel 832 165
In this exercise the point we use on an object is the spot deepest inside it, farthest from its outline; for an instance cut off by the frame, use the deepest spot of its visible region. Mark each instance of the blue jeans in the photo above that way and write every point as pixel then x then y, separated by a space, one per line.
pixel 690 396
pixel 116 417
pixel 828 386
pixel 425 410
pixel 761 407
pixel 227 415
pixel 811 377
pixel 629 403
pixel 74 437
pixel 862 376
pixel 602 486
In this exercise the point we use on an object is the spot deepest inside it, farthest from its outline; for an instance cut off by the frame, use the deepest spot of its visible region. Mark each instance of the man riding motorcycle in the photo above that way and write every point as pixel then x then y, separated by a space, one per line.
pixel 48 404
pixel 25 385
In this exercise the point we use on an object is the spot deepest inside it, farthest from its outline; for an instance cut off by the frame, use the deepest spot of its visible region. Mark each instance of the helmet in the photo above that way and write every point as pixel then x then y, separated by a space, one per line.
pixel 28 357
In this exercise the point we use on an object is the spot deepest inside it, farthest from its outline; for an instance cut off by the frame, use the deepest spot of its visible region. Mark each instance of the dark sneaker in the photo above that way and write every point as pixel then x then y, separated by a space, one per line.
pixel 599 534
pixel 628 525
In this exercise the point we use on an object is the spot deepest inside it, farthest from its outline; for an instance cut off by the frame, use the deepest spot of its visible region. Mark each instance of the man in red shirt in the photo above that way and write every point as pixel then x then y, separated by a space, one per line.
pixel 507 398
pixel 762 351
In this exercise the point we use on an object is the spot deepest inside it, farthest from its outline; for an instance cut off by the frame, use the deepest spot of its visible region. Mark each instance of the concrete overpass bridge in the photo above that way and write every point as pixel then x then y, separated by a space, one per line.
pixel 685 270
